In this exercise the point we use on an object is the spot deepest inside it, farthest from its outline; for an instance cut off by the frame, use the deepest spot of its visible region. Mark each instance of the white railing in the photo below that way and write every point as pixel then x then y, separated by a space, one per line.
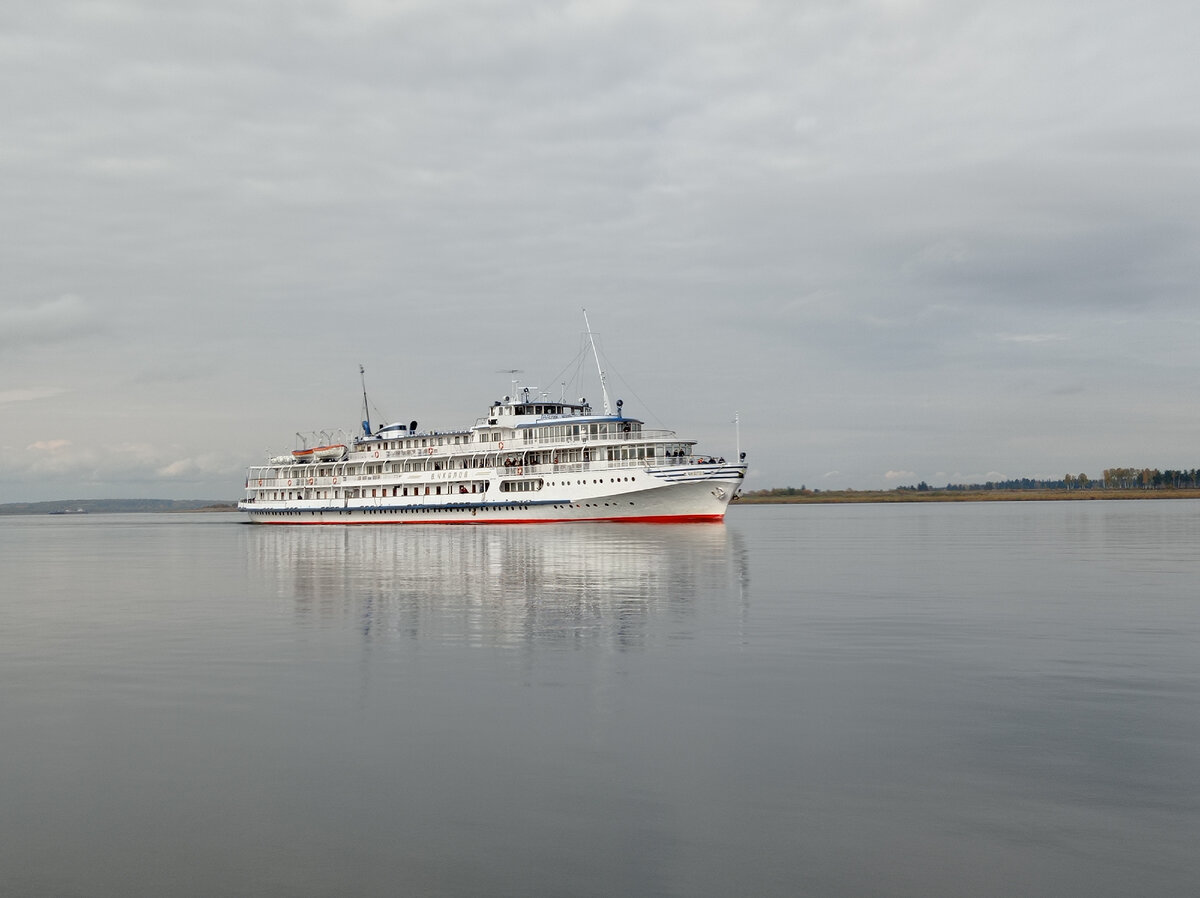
pixel 524 438
pixel 343 479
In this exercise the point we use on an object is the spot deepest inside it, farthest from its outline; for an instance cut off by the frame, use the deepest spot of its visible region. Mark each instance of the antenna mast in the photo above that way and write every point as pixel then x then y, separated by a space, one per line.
pixel 596 356
pixel 366 423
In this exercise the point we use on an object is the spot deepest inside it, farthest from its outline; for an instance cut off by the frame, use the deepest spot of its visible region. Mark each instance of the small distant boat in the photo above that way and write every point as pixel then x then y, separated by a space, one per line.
pixel 333 452
pixel 70 511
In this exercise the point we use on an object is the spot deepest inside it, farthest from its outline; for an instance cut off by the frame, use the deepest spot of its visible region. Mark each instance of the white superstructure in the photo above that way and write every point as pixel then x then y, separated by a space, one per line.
pixel 528 460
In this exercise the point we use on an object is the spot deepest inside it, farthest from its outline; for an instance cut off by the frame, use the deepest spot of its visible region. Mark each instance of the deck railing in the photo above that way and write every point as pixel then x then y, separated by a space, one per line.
pixel 306 480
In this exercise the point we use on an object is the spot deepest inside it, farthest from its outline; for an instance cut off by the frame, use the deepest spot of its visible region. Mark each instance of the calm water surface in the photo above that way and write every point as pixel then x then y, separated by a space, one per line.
pixel 980 699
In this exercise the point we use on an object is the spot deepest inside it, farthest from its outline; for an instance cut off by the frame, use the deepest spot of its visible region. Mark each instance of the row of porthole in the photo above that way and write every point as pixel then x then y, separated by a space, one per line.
pixel 588 505
pixel 584 482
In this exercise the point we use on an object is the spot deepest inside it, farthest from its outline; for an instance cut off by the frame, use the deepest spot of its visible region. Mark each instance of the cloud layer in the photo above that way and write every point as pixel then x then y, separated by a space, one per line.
pixel 898 237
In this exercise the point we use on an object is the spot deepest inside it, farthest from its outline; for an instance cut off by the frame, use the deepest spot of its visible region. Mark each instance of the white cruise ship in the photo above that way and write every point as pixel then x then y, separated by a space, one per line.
pixel 528 460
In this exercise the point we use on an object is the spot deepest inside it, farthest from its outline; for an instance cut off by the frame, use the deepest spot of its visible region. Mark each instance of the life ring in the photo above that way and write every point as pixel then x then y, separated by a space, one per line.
pixel 310 481
pixel 501 444
pixel 429 451
pixel 377 453
pixel 289 483
pixel 519 469
pixel 335 480
pixel 260 483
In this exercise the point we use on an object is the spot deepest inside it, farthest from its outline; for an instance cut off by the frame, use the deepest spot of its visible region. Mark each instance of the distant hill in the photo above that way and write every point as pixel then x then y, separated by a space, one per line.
pixel 116 506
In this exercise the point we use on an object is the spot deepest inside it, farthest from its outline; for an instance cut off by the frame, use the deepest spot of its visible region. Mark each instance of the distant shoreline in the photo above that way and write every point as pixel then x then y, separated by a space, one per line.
pixel 115 506
pixel 833 497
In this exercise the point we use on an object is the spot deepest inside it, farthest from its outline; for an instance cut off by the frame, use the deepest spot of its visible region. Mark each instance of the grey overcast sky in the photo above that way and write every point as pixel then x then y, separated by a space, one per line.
pixel 903 240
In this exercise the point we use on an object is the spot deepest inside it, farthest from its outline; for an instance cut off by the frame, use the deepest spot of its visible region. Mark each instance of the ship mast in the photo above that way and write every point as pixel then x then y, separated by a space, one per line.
pixel 596 356
pixel 366 422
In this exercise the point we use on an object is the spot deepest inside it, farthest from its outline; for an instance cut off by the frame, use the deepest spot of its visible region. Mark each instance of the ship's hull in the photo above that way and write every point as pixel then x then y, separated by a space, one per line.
pixel 672 497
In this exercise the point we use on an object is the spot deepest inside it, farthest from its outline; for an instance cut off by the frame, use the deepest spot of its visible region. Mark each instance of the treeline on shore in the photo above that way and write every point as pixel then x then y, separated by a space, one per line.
pixel 1114 483
pixel 1111 479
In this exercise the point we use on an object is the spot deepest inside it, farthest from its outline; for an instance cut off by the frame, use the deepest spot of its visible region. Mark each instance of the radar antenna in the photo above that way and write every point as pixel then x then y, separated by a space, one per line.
pixel 514 380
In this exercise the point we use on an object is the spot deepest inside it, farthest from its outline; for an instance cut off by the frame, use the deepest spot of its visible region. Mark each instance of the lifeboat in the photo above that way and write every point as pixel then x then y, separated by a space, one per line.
pixel 320 453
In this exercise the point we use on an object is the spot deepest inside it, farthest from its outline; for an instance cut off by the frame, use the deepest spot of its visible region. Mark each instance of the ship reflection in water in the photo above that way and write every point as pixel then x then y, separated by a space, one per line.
pixel 618 584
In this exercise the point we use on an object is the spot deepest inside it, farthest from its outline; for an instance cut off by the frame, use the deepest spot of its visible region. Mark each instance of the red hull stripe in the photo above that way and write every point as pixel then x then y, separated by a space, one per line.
pixel 646 519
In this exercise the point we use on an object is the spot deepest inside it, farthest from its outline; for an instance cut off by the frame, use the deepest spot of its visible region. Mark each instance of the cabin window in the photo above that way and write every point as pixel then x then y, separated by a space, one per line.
pixel 521 486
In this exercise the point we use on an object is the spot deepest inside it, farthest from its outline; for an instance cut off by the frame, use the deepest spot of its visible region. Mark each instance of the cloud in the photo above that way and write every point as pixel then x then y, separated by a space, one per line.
pixel 1032 338
pixel 144 466
pixel 947 254
pixel 191 468
pixel 911 215
pixel 30 395
pixel 48 321
pixel 899 475
pixel 988 477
